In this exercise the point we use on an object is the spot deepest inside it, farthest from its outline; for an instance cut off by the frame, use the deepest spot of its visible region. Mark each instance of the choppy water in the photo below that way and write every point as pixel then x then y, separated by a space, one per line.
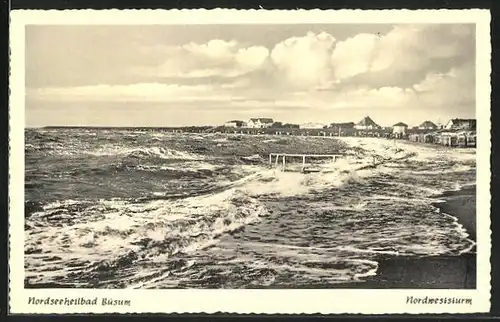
pixel 119 209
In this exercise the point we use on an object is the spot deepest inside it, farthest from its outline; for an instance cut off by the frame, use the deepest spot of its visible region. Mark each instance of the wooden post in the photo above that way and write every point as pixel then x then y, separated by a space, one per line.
pixel 284 162
pixel 304 160
pixel 334 158
pixel 277 158
pixel 270 159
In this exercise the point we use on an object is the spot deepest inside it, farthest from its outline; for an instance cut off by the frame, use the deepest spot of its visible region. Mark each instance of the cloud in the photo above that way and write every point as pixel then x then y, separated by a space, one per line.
pixel 453 89
pixel 404 55
pixel 142 92
pixel 415 47
pixel 410 69
pixel 353 56
pixel 214 58
pixel 305 61
pixel 296 62
pixel 443 90
pixel 401 57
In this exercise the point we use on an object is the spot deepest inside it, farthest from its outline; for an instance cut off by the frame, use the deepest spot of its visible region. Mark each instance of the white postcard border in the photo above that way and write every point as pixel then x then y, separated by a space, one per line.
pixel 365 301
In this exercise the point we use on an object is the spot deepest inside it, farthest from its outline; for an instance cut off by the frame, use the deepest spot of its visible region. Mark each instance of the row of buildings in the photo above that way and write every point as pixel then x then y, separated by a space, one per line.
pixel 365 124
pixel 456 132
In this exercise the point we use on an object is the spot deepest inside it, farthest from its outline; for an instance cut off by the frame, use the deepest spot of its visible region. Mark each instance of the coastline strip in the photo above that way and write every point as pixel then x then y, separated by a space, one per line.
pixel 462 205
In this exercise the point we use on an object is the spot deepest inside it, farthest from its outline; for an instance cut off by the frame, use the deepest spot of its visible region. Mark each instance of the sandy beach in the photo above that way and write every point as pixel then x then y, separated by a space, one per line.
pixel 461 204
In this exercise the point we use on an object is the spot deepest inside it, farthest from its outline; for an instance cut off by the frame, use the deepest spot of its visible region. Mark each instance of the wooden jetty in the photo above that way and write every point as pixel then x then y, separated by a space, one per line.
pixel 276 158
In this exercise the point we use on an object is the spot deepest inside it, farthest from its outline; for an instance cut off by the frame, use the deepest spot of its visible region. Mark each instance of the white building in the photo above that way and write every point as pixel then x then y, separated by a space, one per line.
pixel 399 128
pixel 461 124
pixel 261 122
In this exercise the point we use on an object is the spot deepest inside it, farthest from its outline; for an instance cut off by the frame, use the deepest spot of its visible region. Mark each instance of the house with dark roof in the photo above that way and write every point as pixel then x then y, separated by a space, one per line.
pixel 427 125
pixel 261 122
pixel 399 129
pixel 367 124
pixel 461 124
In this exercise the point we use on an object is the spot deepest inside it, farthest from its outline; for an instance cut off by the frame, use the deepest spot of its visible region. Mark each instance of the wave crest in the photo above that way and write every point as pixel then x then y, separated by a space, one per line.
pixel 124 232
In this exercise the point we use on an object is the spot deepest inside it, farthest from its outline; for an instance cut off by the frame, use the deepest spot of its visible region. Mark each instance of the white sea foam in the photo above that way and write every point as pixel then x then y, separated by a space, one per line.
pixel 119 150
pixel 292 183
pixel 220 140
pixel 161 152
pixel 319 264
pixel 187 166
pixel 254 157
pixel 77 236
pixel 147 230
pixel 422 152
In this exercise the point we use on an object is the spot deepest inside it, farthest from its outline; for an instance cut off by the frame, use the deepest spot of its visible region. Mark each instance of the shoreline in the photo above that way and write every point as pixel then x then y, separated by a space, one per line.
pixel 270 131
pixel 408 272
pixel 432 272
pixel 460 204
pixel 416 272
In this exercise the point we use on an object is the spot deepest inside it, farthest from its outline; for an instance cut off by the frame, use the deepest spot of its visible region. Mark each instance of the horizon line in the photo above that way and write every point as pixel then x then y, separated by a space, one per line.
pixel 215 125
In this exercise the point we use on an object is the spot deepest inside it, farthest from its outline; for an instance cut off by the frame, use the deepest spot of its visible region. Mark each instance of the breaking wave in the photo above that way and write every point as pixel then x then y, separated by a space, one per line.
pixel 116 233
pixel 157 210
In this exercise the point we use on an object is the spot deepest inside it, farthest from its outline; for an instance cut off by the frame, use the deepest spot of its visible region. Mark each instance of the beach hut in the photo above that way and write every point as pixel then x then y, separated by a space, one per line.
pixel 449 139
pixel 430 137
pixel 471 139
pixel 461 139
pixel 466 139
pixel 399 130
pixel 437 138
pixel 415 137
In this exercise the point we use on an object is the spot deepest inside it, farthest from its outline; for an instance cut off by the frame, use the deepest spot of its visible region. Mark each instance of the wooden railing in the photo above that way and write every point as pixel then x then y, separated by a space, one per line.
pixel 283 156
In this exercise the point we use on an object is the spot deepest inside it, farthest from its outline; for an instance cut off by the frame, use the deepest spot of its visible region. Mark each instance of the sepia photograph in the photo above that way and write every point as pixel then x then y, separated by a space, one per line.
pixel 340 155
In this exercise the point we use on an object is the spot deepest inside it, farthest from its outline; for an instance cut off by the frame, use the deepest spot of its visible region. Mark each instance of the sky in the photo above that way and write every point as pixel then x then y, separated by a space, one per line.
pixel 176 75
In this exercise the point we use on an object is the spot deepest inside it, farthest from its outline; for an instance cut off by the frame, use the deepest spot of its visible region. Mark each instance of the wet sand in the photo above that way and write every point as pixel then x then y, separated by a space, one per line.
pixel 461 204
pixel 436 272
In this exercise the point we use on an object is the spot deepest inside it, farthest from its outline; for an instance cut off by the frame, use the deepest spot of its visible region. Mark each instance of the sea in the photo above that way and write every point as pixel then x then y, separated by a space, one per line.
pixel 138 209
